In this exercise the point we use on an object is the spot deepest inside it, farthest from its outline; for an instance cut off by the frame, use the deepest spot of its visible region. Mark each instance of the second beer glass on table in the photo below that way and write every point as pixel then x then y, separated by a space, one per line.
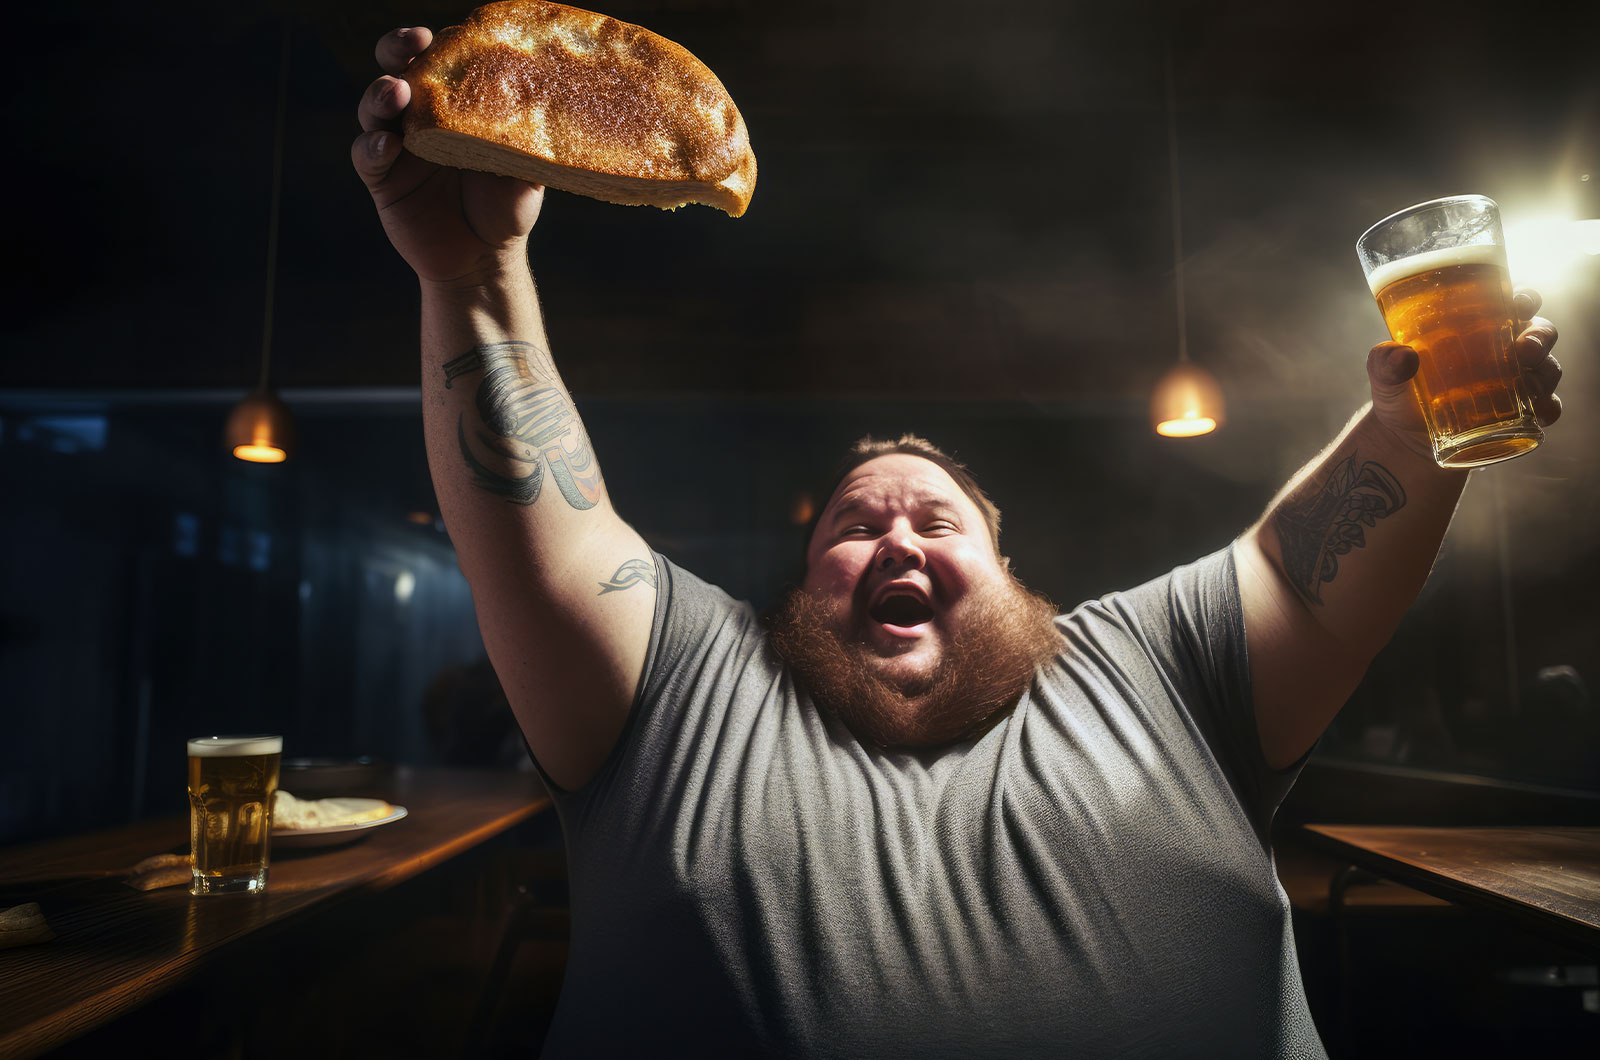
pixel 1438 271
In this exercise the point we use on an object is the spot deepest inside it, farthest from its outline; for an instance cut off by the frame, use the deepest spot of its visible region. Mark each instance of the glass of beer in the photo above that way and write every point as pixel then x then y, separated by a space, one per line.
pixel 231 781
pixel 1438 271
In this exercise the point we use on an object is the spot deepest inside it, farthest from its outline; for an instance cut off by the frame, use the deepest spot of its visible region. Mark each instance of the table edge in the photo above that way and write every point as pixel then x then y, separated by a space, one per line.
pixel 1550 922
pixel 59 1028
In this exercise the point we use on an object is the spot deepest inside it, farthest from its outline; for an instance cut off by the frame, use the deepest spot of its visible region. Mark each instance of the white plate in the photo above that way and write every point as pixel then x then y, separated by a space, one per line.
pixel 334 834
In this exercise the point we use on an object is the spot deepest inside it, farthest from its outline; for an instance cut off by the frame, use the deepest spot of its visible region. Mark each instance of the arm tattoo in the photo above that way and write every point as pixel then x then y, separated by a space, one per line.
pixel 628 575
pixel 1314 531
pixel 466 364
pixel 526 422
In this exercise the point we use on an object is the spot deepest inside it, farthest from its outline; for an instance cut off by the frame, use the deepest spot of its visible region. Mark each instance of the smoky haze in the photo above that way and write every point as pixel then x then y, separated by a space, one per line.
pixel 986 187
pixel 955 201
pixel 962 206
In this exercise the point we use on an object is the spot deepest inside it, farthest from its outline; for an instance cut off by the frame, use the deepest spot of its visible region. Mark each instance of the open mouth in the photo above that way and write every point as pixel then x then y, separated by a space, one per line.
pixel 901 609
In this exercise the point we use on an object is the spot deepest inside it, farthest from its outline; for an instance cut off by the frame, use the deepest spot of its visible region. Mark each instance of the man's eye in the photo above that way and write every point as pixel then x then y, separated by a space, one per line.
pixel 855 530
pixel 940 529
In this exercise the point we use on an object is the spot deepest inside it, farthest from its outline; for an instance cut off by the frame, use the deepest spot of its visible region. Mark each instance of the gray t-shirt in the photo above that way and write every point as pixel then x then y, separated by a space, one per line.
pixel 1088 878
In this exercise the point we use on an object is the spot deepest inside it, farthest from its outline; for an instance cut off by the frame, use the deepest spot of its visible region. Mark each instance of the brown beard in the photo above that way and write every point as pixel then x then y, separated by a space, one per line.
pixel 1006 632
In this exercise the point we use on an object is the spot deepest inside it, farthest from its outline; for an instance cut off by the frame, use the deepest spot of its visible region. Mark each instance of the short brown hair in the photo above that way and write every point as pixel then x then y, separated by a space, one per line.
pixel 869 448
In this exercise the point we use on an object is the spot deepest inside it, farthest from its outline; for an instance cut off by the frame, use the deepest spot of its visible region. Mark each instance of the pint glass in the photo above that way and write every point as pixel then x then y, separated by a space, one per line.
pixel 1438 271
pixel 231 781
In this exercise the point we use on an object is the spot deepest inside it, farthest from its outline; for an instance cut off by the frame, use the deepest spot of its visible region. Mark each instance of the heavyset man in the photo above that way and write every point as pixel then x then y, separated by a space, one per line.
pixel 918 813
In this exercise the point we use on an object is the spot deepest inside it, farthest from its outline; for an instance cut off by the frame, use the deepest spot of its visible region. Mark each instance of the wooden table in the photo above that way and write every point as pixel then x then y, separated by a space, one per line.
pixel 117 948
pixel 1548 879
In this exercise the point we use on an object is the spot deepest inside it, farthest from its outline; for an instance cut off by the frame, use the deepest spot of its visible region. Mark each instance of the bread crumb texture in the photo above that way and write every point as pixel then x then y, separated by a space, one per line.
pixel 637 116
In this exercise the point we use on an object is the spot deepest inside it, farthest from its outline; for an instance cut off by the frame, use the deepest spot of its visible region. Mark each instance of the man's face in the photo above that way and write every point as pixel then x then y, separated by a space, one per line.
pixel 898 552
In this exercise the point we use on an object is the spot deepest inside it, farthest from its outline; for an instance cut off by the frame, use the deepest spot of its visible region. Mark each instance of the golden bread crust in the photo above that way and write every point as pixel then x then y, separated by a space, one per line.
pixel 582 102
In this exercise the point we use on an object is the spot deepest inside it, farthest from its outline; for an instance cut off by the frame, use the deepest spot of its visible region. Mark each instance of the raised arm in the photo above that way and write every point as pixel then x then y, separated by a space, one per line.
pixel 564 589
pixel 1342 552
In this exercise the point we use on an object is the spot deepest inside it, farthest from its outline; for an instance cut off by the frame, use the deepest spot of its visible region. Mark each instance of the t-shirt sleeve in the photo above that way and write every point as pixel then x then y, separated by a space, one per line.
pixel 693 620
pixel 1192 623
pixel 696 630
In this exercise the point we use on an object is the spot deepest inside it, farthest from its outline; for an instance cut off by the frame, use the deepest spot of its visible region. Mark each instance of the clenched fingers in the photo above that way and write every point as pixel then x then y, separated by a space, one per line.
pixel 1526 302
pixel 1534 342
pixel 1547 409
pixel 386 97
pixel 382 103
pixel 398 47
pixel 1540 368
pixel 1391 364
pixel 378 146
pixel 1532 350
pixel 373 153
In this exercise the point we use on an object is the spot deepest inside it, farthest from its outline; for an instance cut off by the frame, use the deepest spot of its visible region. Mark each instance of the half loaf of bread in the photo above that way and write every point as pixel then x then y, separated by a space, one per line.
pixel 582 102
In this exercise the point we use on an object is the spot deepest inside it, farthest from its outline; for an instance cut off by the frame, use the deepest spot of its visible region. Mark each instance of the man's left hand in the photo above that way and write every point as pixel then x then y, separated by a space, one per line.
pixel 1391 365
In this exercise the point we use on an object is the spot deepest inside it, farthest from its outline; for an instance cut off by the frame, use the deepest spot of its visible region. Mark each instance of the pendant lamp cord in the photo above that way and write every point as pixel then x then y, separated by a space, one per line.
pixel 1177 210
pixel 277 197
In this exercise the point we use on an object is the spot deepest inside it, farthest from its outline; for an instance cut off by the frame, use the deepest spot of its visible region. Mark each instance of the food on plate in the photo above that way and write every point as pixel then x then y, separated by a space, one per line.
pixel 579 101
pixel 293 814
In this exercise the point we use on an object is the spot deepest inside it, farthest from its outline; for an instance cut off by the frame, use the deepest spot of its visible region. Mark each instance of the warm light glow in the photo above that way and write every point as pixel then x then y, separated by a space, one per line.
pixel 1186 402
pixel 1545 252
pixel 260 429
pixel 803 510
pixel 1586 235
pixel 260 454
pixel 420 518
pixel 1187 427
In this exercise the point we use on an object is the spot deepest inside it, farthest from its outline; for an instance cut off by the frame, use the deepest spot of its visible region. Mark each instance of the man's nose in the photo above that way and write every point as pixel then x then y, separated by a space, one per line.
pixel 900 551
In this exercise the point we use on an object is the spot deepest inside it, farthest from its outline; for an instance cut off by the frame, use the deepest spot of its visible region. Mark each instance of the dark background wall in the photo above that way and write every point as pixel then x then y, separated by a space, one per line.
pixel 962 226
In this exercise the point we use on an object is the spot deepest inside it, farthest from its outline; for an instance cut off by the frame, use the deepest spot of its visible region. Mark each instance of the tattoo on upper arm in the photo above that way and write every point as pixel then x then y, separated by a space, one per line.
pixel 1315 530
pixel 630 574
pixel 526 422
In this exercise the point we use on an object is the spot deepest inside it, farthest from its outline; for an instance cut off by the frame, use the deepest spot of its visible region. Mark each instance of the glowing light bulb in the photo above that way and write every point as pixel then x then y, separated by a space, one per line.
pixel 260 454
pixel 1186 402
pixel 1187 427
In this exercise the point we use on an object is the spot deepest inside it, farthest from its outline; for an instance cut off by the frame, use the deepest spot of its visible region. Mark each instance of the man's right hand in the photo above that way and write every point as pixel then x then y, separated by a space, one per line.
pixel 453 226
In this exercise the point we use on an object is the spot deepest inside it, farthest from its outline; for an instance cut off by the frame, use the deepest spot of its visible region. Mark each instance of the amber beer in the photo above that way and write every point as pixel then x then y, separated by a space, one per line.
pixel 231 781
pixel 1451 302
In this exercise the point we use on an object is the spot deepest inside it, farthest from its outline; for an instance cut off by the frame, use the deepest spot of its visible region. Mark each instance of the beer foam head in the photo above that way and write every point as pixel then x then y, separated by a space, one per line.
pixel 235 746
pixel 1476 254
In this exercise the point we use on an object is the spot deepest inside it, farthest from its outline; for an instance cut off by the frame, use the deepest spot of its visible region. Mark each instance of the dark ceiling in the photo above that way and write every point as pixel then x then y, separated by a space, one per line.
pixel 955 199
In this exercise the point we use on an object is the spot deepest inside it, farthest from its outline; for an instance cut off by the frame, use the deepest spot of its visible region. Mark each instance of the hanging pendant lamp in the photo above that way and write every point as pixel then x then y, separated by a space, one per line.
pixel 260 429
pixel 1187 400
